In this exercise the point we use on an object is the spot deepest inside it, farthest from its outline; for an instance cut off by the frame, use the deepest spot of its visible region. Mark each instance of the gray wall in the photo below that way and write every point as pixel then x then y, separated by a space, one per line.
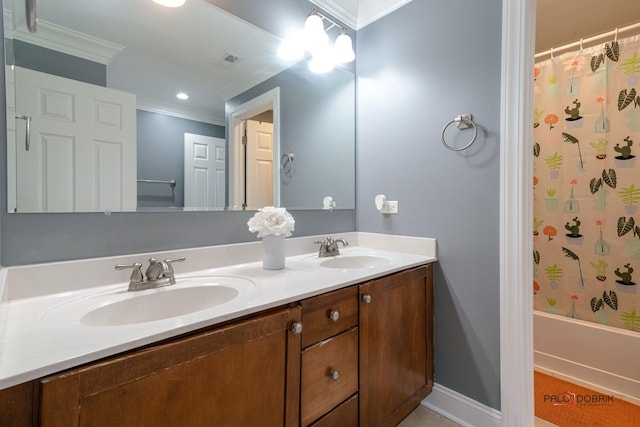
pixel 418 68
pixel 49 61
pixel 161 155
pixel 36 238
pixel 318 125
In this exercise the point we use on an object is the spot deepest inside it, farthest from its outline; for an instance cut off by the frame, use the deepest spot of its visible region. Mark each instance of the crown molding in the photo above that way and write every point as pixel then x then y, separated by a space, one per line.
pixel 155 106
pixel 62 39
pixel 365 13
pixel 338 11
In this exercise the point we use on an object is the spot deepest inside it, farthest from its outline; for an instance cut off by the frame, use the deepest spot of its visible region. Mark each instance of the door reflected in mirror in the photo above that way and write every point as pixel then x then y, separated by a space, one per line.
pixel 94 123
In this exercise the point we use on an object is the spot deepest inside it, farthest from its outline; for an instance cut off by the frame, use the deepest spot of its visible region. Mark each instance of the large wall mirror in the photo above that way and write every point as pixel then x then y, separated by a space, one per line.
pixel 95 122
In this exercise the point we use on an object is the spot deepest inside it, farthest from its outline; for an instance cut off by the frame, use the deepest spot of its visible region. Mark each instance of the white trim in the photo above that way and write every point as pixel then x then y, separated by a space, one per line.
pixel 361 17
pixel 153 106
pixel 461 409
pixel 516 312
pixel 267 101
pixel 62 39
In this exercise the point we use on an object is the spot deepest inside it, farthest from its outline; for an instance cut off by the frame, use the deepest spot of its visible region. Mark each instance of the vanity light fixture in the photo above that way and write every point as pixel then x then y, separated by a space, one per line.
pixel 182 95
pixel 170 3
pixel 315 40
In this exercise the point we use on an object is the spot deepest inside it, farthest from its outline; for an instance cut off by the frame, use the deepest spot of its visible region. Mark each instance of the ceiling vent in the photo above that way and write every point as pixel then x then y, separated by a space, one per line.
pixel 230 58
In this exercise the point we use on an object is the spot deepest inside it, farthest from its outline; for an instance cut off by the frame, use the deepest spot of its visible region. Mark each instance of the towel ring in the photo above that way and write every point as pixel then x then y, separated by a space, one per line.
pixel 286 162
pixel 464 121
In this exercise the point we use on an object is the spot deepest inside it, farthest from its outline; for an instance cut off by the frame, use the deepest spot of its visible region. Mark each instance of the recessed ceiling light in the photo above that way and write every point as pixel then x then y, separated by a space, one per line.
pixel 182 95
pixel 170 3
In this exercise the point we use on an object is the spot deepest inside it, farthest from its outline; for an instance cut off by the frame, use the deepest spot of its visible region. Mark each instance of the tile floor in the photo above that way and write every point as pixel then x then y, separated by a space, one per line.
pixel 423 417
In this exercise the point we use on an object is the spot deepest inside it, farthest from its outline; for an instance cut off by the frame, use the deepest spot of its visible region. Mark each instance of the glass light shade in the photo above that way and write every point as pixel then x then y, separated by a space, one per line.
pixel 182 95
pixel 291 50
pixel 170 3
pixel 315 38
pixel 344 49
pixel 323 61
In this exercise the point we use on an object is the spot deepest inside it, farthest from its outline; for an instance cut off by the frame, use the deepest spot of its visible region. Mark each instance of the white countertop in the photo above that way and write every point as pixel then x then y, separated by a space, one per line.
pixel 38 338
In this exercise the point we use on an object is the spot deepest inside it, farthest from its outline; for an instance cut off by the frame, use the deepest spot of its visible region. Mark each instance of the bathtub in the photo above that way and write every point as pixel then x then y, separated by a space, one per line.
pixel 596 356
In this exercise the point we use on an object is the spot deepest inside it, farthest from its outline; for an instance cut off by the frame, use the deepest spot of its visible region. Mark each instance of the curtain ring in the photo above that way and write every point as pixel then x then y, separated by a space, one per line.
pixel 581 45
pixel 551 51
pixel 616 37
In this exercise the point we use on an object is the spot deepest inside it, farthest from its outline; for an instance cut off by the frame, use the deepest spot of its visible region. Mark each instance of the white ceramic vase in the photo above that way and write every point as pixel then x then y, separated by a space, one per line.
pixel 273 252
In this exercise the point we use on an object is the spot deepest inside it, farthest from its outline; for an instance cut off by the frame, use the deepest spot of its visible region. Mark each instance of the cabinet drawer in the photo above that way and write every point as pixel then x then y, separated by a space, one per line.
pixel 345 415
pixel 329 314
pixel 320 391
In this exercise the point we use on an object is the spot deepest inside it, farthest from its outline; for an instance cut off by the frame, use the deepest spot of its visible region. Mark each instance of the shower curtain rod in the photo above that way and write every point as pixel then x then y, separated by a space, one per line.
pixel 589 40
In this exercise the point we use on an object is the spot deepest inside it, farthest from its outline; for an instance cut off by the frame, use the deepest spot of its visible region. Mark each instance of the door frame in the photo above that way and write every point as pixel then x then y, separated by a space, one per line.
pixel 516 213
pixel 267 101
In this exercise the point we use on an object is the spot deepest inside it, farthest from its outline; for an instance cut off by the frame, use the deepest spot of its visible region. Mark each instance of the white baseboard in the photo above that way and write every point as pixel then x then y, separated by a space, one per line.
pixel 461 409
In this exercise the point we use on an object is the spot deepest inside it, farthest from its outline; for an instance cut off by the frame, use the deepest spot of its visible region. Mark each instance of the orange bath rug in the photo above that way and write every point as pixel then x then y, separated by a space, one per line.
pixel 569 405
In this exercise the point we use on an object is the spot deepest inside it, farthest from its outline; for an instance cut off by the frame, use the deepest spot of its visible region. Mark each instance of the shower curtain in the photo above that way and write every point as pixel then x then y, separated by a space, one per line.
pixel 587 184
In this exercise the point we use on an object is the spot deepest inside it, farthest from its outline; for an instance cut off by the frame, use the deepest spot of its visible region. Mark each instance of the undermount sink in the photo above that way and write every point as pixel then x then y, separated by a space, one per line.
pixel 162 304
pixel 355 261
pixel 118 307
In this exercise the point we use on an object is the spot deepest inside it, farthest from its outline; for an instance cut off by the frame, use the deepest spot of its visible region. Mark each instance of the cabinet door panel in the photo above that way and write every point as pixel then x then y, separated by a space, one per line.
pixel 238 375
pixel 393 343
pixel 16 406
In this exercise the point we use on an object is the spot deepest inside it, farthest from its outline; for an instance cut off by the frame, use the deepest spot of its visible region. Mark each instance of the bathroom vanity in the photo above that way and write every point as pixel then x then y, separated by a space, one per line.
pixel 356 352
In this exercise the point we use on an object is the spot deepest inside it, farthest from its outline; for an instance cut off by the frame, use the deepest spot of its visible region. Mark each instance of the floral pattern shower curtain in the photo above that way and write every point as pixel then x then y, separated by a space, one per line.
pixel 587 184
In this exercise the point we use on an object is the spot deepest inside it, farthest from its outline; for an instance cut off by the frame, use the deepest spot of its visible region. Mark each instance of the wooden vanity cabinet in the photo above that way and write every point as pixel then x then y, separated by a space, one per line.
pixel 330 359
pixel 396 345
pixel 244 374
pixel 378 336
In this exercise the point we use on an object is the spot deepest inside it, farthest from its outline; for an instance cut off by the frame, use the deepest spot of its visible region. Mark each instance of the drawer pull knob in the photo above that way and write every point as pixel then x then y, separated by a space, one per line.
pixel 334 374
pixel 366 298
pixel 334 315
pixel 296 328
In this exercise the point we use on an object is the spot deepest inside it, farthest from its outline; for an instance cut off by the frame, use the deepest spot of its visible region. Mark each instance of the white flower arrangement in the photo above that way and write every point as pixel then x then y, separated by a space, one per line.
pixel 272 221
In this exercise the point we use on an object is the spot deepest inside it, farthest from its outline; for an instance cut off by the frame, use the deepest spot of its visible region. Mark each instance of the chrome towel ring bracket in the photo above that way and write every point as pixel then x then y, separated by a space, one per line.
pixel 464 121
pixel 286 163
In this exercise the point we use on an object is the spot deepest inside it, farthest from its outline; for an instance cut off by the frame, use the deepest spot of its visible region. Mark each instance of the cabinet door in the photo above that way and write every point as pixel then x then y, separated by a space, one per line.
pixel 16 405
pixel 396 356
pixel 244 374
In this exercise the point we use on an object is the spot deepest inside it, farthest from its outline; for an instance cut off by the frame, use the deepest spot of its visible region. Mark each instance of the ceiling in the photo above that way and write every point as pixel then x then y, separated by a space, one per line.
pixel 559 22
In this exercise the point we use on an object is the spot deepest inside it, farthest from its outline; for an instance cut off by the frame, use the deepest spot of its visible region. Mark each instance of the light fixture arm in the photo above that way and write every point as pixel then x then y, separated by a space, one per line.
pixel 331 21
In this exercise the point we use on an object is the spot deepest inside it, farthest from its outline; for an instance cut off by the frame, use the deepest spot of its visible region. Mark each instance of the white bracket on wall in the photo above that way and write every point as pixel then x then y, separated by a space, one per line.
pixel 385 206
pixel 328 203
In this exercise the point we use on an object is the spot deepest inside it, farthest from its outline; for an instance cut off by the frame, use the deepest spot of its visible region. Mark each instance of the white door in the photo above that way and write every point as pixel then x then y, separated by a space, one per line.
pixel 82 153
pixel 259 166
pixel 204 171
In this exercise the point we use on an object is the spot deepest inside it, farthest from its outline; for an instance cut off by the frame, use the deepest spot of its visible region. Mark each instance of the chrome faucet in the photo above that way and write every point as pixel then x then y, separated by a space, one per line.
pixel 329 247
pixel 159 273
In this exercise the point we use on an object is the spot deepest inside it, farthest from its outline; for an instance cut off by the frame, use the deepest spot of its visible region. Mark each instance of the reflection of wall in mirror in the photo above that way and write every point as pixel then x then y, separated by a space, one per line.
pixel 161 156
pixel 318 124
pixel 160 136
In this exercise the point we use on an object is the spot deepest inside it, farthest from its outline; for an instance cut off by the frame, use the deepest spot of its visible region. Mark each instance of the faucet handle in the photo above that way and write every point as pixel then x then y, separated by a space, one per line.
pixel 169 263
pixel 136 274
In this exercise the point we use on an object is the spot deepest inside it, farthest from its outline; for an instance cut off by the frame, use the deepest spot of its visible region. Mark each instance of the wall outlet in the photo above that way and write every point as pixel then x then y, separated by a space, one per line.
pixel 390 207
